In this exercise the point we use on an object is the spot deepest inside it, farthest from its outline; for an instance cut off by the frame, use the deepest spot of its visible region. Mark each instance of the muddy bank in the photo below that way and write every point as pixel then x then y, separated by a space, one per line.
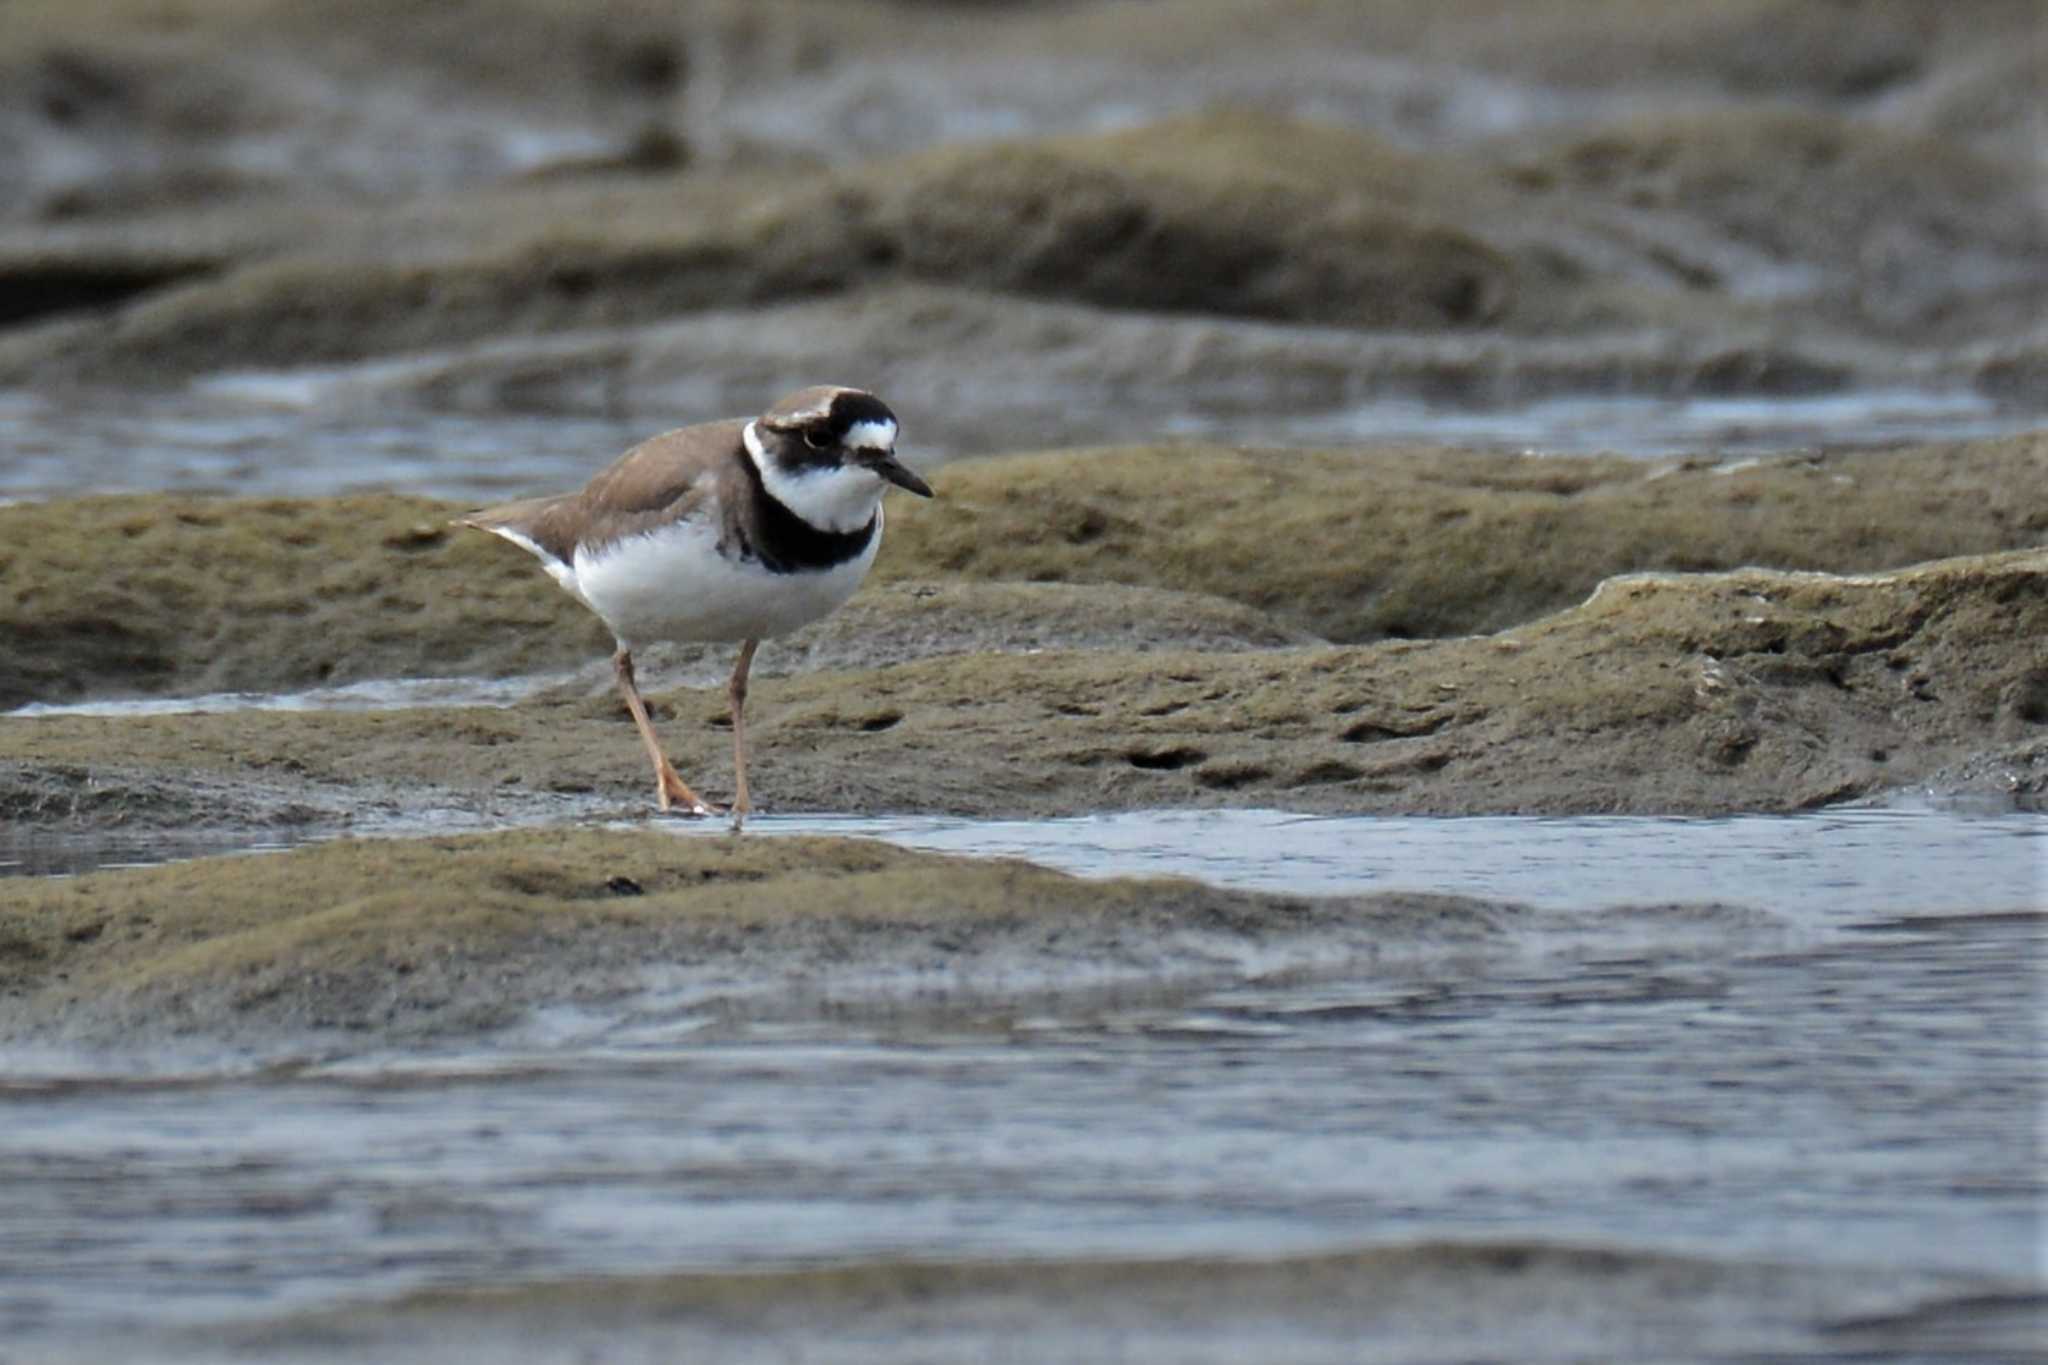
pixel 1750 196
pixel 393 941
pixel 1844 233
pixel 1193 218
pixel 1193 546
pixel 1414 1301
pixel 1099 376
pixel 158 589
pixel 1619 230
pixel 1747 690
pixel 1750 690
pixel 126 103
pixel 1363 545
pixel 199 596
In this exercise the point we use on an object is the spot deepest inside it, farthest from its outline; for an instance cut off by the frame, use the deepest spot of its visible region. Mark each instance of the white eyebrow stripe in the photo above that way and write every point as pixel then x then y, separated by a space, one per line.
pixel 876 435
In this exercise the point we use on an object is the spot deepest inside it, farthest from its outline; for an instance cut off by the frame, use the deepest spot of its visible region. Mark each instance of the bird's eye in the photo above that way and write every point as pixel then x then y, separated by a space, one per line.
pixel 817 440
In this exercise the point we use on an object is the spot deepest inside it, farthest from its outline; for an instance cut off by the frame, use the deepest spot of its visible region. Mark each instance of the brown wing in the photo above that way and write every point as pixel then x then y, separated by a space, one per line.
pixel 658 479
pixel 661 469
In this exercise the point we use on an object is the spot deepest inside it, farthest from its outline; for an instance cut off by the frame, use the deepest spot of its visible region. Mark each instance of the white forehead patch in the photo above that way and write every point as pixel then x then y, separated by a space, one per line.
pixel 879 435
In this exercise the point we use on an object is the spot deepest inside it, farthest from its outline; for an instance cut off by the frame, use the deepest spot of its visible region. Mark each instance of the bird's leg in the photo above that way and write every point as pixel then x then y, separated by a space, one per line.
pixel 736 690
pixel 669 786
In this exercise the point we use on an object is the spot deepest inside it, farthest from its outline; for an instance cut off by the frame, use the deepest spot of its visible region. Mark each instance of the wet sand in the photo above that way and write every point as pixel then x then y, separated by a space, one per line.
pixel 403 941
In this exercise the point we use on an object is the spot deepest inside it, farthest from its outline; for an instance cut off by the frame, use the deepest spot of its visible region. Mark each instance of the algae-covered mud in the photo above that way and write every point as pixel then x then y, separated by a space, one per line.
pixel 617 1094
pixel 406 939
pixel 1441 507
pixel 141 595
pixel 1058 218
pixel 1754 689
pixel 1422 1302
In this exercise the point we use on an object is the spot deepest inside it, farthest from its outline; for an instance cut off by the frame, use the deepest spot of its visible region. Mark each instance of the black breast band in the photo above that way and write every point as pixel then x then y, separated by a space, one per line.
pixel 784 542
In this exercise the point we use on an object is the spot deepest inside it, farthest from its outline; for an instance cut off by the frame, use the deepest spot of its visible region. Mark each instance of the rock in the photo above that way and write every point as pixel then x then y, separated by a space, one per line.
pixel 915 619
pixel 204 595
pixel 152 595
pixel 1783 49
pixel 1702 693
pixel 400 940
pixel 1225 213
pixel 56 797
pixel 1467 1299
pixel 1892 231
pixel 1094 376
pixel 1988 100
pixel 1155 220
pixel 193 199
pixel 1414 543
pixel 1750 690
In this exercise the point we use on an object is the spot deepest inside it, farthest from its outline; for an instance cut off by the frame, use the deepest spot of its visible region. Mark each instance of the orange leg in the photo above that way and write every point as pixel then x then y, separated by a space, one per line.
pixel 736 691
pixel 669 787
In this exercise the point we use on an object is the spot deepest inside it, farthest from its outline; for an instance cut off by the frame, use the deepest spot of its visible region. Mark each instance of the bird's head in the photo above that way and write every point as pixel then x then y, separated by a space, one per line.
pixel 827 454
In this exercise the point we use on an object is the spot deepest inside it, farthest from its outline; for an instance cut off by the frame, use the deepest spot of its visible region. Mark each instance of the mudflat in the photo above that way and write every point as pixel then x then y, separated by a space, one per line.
pixel 1145 545
pixel 255 246
pixel 1105 629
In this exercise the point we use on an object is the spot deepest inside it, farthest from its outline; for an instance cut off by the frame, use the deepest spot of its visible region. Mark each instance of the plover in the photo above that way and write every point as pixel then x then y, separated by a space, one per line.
pixel 740 530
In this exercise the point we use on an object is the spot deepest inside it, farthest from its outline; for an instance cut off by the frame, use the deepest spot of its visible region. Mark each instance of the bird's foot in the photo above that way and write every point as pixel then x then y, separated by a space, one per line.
pixel 676 798
pixel 691 810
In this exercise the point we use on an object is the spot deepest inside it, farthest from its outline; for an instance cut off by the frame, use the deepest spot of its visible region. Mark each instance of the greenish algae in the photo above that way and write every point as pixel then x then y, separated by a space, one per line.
pixel 138 595
pixel 1749 690
pixel 421 937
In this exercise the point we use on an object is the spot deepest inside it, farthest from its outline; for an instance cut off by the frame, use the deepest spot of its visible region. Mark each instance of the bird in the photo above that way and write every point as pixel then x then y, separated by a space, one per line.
pixel 731 531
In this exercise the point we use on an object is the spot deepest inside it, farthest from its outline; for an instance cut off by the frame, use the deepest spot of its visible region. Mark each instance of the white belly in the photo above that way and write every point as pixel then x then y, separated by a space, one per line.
pixel 672 584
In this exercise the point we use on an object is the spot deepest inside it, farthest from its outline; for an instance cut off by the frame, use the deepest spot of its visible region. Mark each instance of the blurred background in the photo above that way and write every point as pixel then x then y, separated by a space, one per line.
pixel 480 245
pixel 1742 1089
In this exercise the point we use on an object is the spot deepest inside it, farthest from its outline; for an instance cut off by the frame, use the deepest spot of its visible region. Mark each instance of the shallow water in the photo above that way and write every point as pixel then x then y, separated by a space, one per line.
pixel 1857 862
pixel 65 447
pixel 1838 1064
pixel 374 694
pixel 1831 1059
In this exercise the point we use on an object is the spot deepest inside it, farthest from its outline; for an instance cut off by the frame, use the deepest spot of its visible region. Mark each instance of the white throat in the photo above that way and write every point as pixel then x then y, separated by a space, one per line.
pixel 841 498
